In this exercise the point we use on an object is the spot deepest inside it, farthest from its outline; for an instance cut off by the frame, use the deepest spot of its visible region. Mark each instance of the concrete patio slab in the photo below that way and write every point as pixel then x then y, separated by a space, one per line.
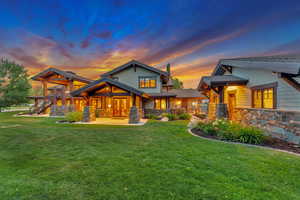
pixel 112 121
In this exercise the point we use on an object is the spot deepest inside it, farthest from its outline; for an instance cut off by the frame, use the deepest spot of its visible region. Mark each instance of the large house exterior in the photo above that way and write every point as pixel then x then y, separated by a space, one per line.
pixel 260 91
pixel 131 91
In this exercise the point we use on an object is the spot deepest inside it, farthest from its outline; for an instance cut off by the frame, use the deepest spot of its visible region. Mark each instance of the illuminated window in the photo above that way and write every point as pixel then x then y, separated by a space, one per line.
pixel 147 82
pixel 160 104
pixel 263 98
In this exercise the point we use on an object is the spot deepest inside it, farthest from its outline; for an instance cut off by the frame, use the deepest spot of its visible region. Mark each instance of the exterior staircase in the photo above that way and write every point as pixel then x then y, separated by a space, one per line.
pixel 41 107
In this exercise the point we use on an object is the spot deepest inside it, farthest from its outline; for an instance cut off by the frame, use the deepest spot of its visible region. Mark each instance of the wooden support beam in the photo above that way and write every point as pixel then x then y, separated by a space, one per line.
pixel 221 94
pixel 133 97
pixel 71 88
pixel 45 88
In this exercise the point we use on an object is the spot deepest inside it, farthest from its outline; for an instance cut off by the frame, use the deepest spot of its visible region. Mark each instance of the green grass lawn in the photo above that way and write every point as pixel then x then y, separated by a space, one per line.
pixel 160 160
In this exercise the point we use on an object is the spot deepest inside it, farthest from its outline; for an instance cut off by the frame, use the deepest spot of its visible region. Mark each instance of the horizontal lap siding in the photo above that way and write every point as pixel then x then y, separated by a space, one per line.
pixel 130 77
pixel 242 94
pixel 288 98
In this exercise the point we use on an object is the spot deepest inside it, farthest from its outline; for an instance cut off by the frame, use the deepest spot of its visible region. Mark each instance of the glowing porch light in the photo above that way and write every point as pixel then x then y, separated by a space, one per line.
pixel 230 88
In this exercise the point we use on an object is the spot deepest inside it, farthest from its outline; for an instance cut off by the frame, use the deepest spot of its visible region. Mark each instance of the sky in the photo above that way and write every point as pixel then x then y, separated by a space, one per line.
pixel 91 37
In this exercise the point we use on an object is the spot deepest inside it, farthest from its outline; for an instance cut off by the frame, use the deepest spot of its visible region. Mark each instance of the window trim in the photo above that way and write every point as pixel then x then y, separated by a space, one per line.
pixel 263 87
pixel 150 77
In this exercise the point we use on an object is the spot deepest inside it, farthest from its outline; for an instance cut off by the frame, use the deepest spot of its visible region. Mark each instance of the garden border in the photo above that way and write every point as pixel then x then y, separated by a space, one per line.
pixel 249 145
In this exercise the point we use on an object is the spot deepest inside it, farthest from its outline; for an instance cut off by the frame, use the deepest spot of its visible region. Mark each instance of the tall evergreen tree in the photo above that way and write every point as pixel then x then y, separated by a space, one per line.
pixel 14 84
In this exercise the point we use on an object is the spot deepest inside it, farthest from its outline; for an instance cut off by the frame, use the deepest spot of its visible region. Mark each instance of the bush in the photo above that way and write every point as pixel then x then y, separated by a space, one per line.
pixel 207 128
pixel 251 135
pixel 227 130
pixel 171 116
pixel 151 116
pixel 184 116
pixel 74 116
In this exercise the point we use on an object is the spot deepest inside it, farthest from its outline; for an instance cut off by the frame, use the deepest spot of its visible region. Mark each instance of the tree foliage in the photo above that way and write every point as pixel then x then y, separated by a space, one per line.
pixel 14 84
pixel 177 84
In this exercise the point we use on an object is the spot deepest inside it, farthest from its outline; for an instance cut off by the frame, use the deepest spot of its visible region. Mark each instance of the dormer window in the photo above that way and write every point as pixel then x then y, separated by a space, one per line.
pixel 147 82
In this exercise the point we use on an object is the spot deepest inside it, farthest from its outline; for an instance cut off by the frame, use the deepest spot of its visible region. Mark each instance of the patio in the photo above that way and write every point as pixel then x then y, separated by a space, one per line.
pixel 114 121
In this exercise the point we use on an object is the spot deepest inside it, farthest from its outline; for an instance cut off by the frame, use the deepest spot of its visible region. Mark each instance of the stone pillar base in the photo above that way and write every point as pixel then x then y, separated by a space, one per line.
pixel 88 114
pixel 134 117
pixel 71 108
pixel 53 110
pixel 221 111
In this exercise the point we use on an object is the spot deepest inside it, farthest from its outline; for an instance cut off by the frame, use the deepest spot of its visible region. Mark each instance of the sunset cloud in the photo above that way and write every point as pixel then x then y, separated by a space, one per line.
pixel 92 38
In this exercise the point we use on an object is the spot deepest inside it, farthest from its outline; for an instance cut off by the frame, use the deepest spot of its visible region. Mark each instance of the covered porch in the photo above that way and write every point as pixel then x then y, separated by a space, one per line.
pixel 225 92
pixel 56 87
pixel 106 98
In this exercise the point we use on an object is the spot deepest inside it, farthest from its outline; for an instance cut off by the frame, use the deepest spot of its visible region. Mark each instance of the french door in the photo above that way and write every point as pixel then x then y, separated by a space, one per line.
pixel 120 107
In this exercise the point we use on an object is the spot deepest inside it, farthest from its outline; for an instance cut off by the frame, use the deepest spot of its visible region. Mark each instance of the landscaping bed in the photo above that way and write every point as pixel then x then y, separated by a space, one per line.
pixel 233 132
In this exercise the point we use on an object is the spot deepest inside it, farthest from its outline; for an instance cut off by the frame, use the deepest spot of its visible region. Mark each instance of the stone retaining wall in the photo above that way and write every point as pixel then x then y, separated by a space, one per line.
pixel 278 123
pixel 159 112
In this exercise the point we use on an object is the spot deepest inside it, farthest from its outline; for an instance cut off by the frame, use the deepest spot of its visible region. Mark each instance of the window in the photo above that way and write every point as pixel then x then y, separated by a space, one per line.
pixel 147 82
pixel 160 104
pixel 264 96
pixel 115 78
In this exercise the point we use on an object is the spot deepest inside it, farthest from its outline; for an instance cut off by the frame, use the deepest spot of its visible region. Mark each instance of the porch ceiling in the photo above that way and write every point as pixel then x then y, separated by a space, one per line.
pixel 222 80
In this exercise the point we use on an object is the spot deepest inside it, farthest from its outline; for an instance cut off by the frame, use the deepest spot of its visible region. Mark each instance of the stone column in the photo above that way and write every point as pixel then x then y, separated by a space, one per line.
pixel 221 111
pixel 88 114
pixel 134 117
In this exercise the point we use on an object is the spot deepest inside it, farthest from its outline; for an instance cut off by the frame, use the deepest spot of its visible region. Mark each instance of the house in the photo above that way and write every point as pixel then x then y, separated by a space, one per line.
pixel 260 91
pixel 131 91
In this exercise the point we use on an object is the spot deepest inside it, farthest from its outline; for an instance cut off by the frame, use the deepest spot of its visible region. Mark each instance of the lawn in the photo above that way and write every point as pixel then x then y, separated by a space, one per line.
pixel 160 160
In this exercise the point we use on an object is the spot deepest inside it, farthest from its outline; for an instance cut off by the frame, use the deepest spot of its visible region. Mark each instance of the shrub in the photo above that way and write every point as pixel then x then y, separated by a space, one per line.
pixel 231 131
pixel 151 116
pixel 251 135
pixel 171 116
pixel 207 128
pixel 184 116
pixel 74 116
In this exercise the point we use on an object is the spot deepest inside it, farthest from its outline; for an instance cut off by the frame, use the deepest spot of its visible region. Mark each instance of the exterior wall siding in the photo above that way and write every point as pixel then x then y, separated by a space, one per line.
pixel 288 98
pixel 131 77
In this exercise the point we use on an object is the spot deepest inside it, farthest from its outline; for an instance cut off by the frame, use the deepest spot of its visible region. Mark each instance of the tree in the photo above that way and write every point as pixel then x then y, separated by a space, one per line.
pixel 14 84
pixel 37 91
pixel 177 84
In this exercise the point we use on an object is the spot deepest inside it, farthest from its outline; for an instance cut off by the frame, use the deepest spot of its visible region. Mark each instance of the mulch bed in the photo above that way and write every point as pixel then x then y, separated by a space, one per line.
pixel 270 142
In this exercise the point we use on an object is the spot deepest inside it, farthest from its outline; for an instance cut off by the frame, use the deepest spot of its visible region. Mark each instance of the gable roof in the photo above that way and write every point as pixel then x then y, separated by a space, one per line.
pixel 279 63
pixel 67 74
pixel 129 64
pixel 220 80
pixel 118 84
pixel 187 93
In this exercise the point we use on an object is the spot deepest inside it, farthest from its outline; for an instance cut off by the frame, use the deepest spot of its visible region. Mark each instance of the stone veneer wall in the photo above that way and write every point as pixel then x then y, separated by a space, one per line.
pixel 60 110
pixel 278 123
